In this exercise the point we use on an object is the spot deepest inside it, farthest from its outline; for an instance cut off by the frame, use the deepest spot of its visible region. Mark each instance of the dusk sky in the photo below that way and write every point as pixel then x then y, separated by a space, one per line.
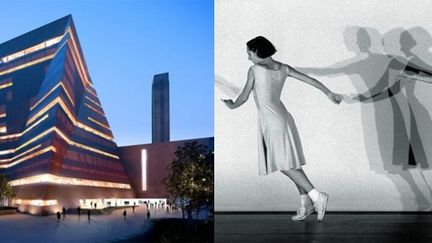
pixel 125 43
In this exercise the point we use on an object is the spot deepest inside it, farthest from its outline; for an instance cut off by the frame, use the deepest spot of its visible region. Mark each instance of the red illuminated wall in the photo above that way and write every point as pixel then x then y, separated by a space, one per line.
pixel 159 156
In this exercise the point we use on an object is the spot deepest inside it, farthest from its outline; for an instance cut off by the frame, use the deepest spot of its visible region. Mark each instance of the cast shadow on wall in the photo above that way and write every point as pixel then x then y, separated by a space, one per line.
pixel 397 127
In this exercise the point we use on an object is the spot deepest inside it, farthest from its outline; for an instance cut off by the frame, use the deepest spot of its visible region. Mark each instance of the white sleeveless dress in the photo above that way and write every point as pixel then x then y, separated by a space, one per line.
pixel 279 146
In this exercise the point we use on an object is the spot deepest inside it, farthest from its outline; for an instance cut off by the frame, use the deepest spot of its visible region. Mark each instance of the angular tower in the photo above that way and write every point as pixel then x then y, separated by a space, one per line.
pixel 160 108
pixel 56 146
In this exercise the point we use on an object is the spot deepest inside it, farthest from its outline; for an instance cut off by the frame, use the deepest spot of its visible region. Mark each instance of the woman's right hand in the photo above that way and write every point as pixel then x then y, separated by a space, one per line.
pixel 228 102
pixel 335 98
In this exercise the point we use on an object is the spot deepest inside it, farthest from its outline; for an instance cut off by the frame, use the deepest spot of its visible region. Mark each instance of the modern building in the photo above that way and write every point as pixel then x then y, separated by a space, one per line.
pixel 56 145
pixel 147 164
pixel 160 108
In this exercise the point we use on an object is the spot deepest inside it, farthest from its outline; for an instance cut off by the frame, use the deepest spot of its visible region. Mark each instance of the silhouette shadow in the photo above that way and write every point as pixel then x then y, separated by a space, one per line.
pixel 393 118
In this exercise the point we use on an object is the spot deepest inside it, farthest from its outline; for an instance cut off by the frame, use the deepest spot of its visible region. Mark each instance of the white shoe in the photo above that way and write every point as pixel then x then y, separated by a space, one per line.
pixel 303 213
pixel 321 205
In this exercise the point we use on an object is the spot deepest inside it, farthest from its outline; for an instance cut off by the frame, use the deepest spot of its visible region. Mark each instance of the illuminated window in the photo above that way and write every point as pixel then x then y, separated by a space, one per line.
pixel 22 66
pixel 93 101
pixel 99 123
pixel 94 109
pixel 35 202
pixel 48 178
pixel 5 85
pixel 29 50
pixel 3 129
pixel 144 169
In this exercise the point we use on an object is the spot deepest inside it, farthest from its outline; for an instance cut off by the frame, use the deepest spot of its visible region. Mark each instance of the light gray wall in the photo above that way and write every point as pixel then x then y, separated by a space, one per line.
pixel 350 148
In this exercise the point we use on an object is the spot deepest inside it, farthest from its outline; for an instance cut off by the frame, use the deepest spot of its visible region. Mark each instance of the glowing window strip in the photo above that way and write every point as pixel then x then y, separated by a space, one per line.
pixel 21 154
pixel 94 131
pixel 67 93
pixel 81 69
pixel 42 59
pixel 79 145
pixel 35 202
pixel 2 115
pixel 51 148
pixel 100 124
pixel 3 152
pixel 52 90
pixel 55 101
pixel 94 109
pixel 8 151
pixel 144 169
pixel 35 124
pixel 30 156
pixel 5 85
pixel 35 138
pixel 49 178
pixel 25 131
pixel 47 58
pixel 60 101
pixel 93 101
pixel 32 49
pixel 62 135
pixel 91 92
pixel 75 54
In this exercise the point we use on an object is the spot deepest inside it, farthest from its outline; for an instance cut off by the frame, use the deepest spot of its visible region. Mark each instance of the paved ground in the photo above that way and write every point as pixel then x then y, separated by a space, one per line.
pixel 101 228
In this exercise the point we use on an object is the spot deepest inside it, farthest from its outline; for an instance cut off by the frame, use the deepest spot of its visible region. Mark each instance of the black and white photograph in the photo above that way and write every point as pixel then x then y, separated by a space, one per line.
pixel 322 121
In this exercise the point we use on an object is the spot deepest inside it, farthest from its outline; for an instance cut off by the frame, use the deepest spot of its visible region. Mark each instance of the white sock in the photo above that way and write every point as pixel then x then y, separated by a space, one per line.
pixel 314 194
pixel 305 200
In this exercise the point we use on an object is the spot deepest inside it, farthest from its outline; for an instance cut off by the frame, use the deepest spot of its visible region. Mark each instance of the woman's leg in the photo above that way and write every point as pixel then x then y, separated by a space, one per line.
pixel 318 198
pixel 306 205
pixel 301 190
pixel 300 179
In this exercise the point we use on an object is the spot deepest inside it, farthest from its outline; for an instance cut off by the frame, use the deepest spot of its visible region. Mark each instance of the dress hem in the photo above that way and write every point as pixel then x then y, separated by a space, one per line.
pixel 274 170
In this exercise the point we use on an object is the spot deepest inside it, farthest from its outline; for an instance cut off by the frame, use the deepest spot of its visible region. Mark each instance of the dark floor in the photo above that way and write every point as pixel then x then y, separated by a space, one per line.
pixel 336 227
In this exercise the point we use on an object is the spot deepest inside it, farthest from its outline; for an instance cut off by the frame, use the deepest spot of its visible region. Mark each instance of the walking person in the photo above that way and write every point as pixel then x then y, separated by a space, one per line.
pixel 79 211
pixel 279 143
pixel 88 214
pixel 64 212
pixel 124 214
pixel 148 214
pixel 58 216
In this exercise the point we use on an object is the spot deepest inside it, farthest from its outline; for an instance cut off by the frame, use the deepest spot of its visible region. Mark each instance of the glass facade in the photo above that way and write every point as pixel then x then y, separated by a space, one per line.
pixel 51 120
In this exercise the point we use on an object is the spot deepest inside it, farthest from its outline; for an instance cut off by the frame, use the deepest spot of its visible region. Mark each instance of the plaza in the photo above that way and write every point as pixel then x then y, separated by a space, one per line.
pixel 74 228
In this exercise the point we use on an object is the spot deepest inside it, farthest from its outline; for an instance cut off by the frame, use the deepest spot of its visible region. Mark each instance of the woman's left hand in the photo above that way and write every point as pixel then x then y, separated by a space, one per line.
pixel 228 102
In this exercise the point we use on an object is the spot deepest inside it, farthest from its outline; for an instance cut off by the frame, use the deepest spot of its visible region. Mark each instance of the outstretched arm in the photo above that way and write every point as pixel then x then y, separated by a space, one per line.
pixel 315 83
pixel 244 95
pixel 420 77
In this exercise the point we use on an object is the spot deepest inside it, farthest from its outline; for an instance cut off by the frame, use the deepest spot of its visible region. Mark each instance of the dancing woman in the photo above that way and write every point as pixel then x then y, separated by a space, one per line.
pixel 279 143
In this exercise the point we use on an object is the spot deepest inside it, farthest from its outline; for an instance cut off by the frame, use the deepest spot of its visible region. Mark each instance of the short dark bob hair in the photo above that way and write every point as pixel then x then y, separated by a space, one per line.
pixel 261 46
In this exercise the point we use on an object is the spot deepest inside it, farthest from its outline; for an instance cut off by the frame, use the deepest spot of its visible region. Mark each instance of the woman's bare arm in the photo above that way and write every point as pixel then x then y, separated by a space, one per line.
pixel 244 95
pixel 315 83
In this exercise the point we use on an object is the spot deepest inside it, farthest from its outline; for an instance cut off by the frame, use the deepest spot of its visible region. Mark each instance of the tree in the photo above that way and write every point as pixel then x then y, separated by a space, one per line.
pixel 190 178
pixel 6 191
